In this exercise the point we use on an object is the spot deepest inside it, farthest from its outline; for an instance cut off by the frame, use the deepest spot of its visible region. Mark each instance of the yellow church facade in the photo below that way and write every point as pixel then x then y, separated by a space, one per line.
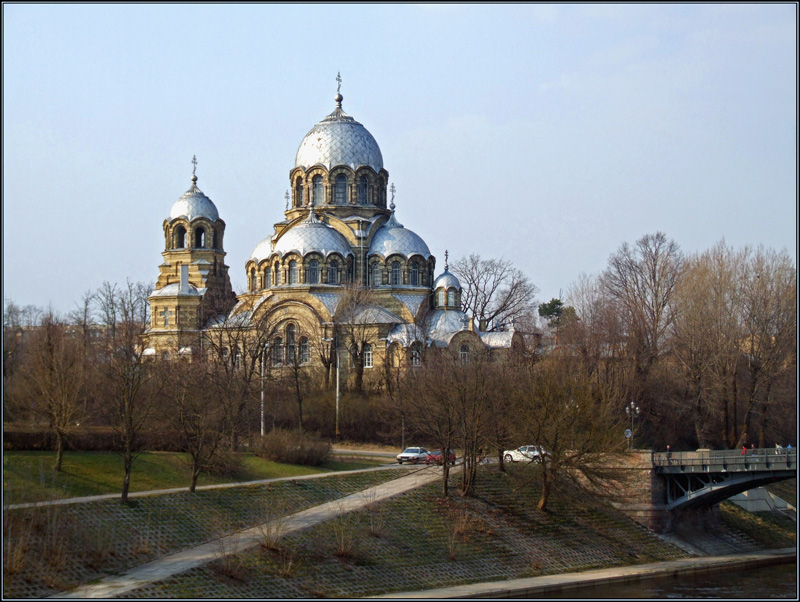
pixel 339 272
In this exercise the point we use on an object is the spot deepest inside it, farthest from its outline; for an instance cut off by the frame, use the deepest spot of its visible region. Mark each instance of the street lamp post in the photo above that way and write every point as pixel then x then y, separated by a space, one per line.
pixel 263 359
pixel 335 344
pixel 631 410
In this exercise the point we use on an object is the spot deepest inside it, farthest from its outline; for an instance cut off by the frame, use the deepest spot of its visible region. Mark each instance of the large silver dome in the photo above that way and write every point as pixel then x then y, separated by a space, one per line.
pixel 310 235
pixel 393 238
pixel 339 140
pixel 194 204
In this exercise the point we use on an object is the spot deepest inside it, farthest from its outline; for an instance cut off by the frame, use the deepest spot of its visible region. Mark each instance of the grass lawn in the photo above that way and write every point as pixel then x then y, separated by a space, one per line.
pixel 28 476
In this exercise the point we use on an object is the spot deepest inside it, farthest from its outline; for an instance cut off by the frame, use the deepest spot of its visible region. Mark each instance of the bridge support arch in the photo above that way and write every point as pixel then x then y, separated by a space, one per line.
pixel 684 488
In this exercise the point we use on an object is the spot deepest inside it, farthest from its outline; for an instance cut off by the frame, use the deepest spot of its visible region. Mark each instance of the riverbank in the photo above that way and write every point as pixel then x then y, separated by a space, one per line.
pixel 547 585
pixel 415 541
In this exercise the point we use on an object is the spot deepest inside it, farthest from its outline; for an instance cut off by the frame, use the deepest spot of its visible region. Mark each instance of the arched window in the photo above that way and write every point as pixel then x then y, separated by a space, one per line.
pixel 319 191
pixel 333 272
pixel 464 353
pixel 290 344
pixel 199 238
pixel 292 272
pixel 416 355
pixel 396 277
pixel 312 274
pixel 276 274
pixel 376 274
pixel 341 189
pixel 451 298
pixel 298 192
pixel 214 240
pixel 237 358
pixel 440 301
pixel 414 276
pixel 277 352
pixel 367 356
pixel 180 237
pixel 362 190
pixel 253 280
pixel 304 356
pixel 267 277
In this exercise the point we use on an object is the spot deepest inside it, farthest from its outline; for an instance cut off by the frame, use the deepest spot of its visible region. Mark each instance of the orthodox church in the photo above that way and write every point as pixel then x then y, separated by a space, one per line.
pixel 338 237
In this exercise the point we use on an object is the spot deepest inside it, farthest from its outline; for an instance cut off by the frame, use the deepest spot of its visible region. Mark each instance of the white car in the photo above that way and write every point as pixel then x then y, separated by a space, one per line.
pixel 526 453
pixel 413 455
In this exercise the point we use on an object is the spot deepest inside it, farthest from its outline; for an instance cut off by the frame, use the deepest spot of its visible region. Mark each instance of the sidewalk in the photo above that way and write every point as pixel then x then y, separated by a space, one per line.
pixel 540 586
pixel 154 492
pixel 193 557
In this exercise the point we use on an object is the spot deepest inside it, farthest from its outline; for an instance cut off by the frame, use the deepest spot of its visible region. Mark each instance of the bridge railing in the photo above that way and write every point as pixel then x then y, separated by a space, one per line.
pixel 712 460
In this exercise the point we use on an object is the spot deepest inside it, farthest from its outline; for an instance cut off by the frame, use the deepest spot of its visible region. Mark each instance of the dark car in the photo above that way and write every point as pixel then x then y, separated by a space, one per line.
pixel 437 457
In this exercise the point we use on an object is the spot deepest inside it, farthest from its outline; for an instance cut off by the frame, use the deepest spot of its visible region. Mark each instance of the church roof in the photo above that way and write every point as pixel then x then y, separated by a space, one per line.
pixel 339 140
pixel 446 280
pixel 443 324
pixel 194 204
pixel 308 236
pixel 393 238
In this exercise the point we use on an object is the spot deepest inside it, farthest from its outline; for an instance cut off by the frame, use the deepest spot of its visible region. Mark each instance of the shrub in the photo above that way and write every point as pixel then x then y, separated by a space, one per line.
pixel 294 447
pixel 226 463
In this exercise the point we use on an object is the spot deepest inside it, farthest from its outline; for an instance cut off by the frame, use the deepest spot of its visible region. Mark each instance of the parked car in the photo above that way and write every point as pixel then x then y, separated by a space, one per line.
pixel 526 453
pixel 413 455
pixel 437 457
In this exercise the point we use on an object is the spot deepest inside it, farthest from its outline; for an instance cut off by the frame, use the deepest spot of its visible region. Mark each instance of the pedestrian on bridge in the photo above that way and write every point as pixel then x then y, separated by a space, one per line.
pixel 778 449
pixel 744 450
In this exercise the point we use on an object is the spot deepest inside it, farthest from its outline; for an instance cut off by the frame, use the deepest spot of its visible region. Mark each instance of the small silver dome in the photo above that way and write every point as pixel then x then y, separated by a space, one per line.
pixel 309 236
pixel 393 238
pixel 446 280
pixel 339 140
pixel 194 204
pixel 444 324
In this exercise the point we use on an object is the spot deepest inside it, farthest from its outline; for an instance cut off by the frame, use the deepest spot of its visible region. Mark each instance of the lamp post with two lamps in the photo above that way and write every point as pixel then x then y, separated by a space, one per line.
pixel 631 410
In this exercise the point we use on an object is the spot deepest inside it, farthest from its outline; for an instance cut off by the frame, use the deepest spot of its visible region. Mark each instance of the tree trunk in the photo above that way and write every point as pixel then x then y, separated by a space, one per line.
pixel 126 481
pixel 59 450
pixel 195 474
pixel 542 506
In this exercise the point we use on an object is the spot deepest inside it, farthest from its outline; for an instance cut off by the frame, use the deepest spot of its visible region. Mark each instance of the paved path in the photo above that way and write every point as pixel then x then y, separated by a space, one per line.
pixel 154 492
pixel 540 586
pixel 190 558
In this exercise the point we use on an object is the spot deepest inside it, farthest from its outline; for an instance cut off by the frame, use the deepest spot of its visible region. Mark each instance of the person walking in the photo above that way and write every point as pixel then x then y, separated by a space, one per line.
pixel 744 450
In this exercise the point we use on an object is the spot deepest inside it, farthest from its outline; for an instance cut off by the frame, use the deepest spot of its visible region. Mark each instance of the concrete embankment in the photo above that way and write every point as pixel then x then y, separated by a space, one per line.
pixel 539 586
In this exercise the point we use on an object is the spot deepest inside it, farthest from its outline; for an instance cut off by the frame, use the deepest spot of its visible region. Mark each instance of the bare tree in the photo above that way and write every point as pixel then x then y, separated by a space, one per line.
pixel 641 280
pixel 430 405
pixel 196 412
pixel 237 344
pixel 354 319
pixel 769 324
pixel 129 378
pixel 575 418
pixel 494 292
pixel 53 379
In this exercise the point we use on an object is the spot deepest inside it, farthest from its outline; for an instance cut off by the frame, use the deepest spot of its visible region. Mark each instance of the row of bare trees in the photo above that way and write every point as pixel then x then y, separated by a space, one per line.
pixel 484 404
pixel 705 344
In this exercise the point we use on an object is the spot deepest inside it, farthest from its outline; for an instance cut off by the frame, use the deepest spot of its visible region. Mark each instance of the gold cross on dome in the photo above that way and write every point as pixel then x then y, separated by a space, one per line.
pixel 194 163
pixel 339 80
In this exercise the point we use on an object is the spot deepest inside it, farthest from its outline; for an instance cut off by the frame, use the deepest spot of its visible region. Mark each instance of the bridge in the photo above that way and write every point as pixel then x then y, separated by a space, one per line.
pixel 670 489
pixel 705 477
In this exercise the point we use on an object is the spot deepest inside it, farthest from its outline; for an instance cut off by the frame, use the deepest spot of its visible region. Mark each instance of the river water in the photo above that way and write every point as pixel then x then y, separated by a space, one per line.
pixel 769 582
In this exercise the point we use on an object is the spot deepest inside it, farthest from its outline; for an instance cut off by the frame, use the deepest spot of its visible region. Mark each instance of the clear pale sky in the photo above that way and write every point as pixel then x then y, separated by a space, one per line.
pixel 543 134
